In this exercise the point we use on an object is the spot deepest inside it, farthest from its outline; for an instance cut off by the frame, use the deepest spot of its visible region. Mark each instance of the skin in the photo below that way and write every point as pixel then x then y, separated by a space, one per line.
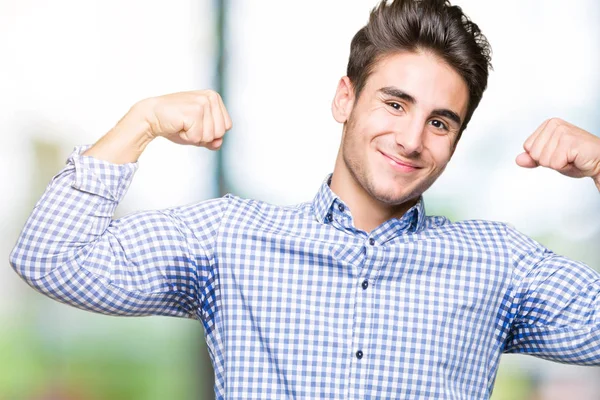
pixel 563 147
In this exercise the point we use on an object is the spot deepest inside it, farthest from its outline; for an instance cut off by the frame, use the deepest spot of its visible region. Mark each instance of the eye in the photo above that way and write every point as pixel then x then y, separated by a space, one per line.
pixel 395 106
pixel 438 124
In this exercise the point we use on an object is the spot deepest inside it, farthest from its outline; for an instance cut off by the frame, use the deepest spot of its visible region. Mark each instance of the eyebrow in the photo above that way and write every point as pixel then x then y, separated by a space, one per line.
pixel 440 112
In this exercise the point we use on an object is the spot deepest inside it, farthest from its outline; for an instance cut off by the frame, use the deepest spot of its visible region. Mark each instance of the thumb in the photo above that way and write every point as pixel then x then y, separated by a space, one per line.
pixel 524 160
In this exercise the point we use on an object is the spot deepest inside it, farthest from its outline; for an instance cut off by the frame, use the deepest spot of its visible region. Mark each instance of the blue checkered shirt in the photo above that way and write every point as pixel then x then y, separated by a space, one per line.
pixel 298 303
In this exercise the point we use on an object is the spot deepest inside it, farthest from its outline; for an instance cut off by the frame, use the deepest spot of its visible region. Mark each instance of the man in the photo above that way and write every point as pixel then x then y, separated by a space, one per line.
pixel 357 293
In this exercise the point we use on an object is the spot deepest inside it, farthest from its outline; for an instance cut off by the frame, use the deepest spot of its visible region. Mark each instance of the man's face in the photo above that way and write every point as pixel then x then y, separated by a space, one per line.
pixel 401 131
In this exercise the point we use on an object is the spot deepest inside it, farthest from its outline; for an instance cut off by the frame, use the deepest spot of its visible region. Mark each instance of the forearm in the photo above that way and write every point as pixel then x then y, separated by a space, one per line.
pixel 127 140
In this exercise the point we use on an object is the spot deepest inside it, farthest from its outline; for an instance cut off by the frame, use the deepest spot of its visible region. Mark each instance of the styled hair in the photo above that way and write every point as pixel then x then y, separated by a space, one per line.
pixel 423 25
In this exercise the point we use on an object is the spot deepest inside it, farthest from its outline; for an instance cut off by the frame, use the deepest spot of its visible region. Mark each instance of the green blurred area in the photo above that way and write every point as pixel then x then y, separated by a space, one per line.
pixel 128 358
pixel 134 359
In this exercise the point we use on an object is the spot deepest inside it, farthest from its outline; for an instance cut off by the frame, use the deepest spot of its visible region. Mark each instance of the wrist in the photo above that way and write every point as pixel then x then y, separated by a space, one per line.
pixel 126 141
pixel 139 118
pixel 130 136
pixel 134 127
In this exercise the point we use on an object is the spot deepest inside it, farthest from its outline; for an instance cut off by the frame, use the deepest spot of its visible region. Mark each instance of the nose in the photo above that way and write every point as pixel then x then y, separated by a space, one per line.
pixel 409 135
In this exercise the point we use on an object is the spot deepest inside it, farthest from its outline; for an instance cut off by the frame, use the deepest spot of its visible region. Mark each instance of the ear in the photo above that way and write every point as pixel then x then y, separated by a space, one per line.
pixel 343 102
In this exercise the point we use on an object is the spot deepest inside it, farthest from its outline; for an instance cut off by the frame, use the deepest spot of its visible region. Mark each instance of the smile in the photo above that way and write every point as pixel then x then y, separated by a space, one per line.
pixel 398 165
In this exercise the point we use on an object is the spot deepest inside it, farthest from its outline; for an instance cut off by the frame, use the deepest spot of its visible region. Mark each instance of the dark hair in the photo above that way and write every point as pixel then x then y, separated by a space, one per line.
pixel 417 25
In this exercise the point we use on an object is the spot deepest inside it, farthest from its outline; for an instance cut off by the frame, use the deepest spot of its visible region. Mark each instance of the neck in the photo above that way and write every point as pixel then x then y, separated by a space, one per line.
pixel 368 213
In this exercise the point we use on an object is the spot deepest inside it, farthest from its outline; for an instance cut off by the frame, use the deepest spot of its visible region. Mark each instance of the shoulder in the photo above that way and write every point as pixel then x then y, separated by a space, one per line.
pixel 242 204
pixel 475 228
pixel 239 210
pixel 259 214
pixel 496 234
pixel 251 206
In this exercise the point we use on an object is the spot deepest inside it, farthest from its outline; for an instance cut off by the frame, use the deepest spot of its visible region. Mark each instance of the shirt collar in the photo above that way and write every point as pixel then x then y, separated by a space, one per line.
pixel 325 199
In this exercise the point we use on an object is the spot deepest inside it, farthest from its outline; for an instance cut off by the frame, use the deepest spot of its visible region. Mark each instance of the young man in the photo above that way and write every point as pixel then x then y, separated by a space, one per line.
pixel 357 293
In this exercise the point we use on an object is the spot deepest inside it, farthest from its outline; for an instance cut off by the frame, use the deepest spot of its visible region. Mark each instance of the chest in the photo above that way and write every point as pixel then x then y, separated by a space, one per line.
pixel 318 283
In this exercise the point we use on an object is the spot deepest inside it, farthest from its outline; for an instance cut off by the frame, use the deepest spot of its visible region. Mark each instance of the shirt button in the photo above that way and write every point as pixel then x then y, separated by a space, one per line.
pixel 372 242
pixel 341 207
pixel 365 284
pixel 329 217
pixel 359 354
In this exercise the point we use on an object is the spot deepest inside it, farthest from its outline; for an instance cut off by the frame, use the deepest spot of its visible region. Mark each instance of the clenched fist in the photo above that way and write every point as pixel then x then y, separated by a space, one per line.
pixel 564 147
pixel 196 118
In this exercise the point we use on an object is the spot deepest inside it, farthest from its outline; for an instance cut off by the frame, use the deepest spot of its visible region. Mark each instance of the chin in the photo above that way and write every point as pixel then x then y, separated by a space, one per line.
pixel 392 197
pixel 396 200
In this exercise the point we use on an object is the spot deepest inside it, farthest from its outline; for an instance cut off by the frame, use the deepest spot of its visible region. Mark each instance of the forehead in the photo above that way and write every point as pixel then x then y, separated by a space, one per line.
pixel 423 75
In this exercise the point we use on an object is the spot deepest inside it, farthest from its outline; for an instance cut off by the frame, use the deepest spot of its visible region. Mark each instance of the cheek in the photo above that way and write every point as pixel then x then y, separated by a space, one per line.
pixel 439 149
pixel 361 131
pixel 356 134
pixel 380 121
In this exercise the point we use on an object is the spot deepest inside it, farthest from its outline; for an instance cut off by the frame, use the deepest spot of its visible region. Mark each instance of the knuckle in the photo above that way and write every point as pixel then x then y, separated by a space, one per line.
pixel 565 139
pixel 569 134
pixel 202 100
pixel 555 121
pixel 212 95
pixel 197 109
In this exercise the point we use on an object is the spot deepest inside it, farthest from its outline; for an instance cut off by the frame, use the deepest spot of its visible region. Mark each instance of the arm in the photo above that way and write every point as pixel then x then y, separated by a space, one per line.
pixel 147 263
pixel 555 310
pixel 555 305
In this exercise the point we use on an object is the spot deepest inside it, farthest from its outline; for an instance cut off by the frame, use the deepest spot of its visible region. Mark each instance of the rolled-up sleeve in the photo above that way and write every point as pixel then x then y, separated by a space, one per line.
pixel 147 263
pixel 555 305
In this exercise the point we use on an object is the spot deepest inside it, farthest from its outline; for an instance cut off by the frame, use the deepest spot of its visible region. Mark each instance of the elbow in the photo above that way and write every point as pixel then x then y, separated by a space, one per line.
pixel 29 265
pixel 18 261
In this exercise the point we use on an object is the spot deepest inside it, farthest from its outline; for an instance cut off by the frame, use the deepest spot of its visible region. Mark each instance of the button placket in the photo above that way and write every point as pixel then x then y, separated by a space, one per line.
pixel 360 364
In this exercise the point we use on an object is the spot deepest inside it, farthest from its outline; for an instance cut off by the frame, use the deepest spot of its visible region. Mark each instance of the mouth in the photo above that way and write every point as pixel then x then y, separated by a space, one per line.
pixel 399 165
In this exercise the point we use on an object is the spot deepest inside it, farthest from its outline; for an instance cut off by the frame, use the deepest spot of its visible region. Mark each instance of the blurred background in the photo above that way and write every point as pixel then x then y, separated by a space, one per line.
pixel 70 69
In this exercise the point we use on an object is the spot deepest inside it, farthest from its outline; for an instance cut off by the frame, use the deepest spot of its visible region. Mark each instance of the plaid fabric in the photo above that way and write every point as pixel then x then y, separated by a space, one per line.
pixel 298 303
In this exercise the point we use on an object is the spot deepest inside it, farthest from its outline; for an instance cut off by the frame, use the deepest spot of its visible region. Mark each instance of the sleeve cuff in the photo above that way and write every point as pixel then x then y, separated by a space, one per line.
pixel 99 177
